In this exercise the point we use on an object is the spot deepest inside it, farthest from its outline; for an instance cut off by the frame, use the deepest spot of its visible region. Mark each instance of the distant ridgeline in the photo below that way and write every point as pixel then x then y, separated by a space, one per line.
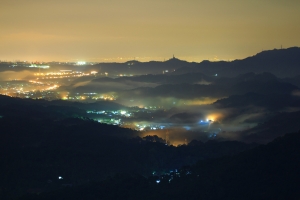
pixel 280 62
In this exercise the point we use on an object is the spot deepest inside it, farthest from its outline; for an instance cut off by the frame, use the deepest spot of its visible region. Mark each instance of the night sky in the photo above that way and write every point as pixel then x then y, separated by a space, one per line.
pixel 119 30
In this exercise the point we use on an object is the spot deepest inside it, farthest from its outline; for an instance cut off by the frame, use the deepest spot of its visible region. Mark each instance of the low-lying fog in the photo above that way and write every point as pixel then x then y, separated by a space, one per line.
pixel 191 106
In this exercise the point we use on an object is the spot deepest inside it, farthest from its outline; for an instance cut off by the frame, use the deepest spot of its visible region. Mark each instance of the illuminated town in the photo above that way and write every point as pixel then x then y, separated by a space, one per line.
pixel 42 81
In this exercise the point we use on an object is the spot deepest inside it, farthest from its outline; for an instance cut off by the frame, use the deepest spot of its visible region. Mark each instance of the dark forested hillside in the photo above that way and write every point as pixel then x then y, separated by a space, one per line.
pixel 40 143
pixel 266 172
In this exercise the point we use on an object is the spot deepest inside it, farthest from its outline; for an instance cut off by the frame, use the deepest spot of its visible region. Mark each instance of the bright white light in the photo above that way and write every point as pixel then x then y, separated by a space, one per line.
pixel 40 66
pixel 94 72
pixel 60 178
pixel 123 112
pixel 81 63
pixel 157 181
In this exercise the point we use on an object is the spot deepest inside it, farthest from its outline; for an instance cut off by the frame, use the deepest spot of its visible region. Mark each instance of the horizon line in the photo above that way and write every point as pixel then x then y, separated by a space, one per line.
pixel 136 60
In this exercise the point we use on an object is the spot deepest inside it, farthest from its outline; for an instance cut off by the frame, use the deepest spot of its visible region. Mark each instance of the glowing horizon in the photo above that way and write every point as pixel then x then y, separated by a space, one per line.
pixel 118 31
pixel 124 59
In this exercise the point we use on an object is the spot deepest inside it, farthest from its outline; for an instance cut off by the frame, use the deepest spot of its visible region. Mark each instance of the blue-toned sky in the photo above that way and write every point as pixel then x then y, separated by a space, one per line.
pixel 108 30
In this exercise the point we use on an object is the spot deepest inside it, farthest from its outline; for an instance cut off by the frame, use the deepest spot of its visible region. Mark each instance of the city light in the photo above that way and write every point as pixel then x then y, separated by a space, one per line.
pixel 39 66
pixel 94 72
pixel 123 112
pixel 81 63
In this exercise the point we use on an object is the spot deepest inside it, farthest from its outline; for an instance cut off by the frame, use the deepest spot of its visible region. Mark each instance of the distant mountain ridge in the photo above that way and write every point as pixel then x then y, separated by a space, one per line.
pixel 280 62
pixel 264 83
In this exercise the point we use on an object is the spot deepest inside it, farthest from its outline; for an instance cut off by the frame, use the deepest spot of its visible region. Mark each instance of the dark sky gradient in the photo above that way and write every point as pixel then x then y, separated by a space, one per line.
pixel 108 30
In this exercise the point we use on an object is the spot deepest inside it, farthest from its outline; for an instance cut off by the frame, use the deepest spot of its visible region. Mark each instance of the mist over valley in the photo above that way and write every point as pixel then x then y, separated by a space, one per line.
pixel 74 125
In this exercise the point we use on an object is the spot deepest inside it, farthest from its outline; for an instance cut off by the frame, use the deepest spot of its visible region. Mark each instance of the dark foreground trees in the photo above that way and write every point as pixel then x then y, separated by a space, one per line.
pixel 267 172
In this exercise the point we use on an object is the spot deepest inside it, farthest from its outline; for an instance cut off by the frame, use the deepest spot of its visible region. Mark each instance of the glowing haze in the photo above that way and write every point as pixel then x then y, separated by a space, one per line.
pixel 117 30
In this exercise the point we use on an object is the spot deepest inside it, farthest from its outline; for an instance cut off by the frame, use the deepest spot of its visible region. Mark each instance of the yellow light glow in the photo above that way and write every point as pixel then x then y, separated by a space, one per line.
pixel 214 116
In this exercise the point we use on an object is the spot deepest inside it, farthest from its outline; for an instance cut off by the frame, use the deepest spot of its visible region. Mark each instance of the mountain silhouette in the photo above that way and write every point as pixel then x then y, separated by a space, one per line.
pixel 280 62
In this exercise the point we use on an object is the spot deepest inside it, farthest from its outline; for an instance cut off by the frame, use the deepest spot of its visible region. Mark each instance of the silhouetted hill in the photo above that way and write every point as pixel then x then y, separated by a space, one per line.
pixel 272 128
pixel 269 101
pixel 293 80
pixel 249 77
pixel 280 62
pixel 194 78
pixel 266 172
pixel 185 91
pixel 264 87
pixel 264 83
pixel 161 78
pixel 41 141
pixel 140 68
pixel 97 105
pixel 69 108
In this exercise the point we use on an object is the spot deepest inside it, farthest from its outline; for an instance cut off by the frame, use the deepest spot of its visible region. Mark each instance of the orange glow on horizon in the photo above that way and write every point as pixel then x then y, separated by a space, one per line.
pixel 112 31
